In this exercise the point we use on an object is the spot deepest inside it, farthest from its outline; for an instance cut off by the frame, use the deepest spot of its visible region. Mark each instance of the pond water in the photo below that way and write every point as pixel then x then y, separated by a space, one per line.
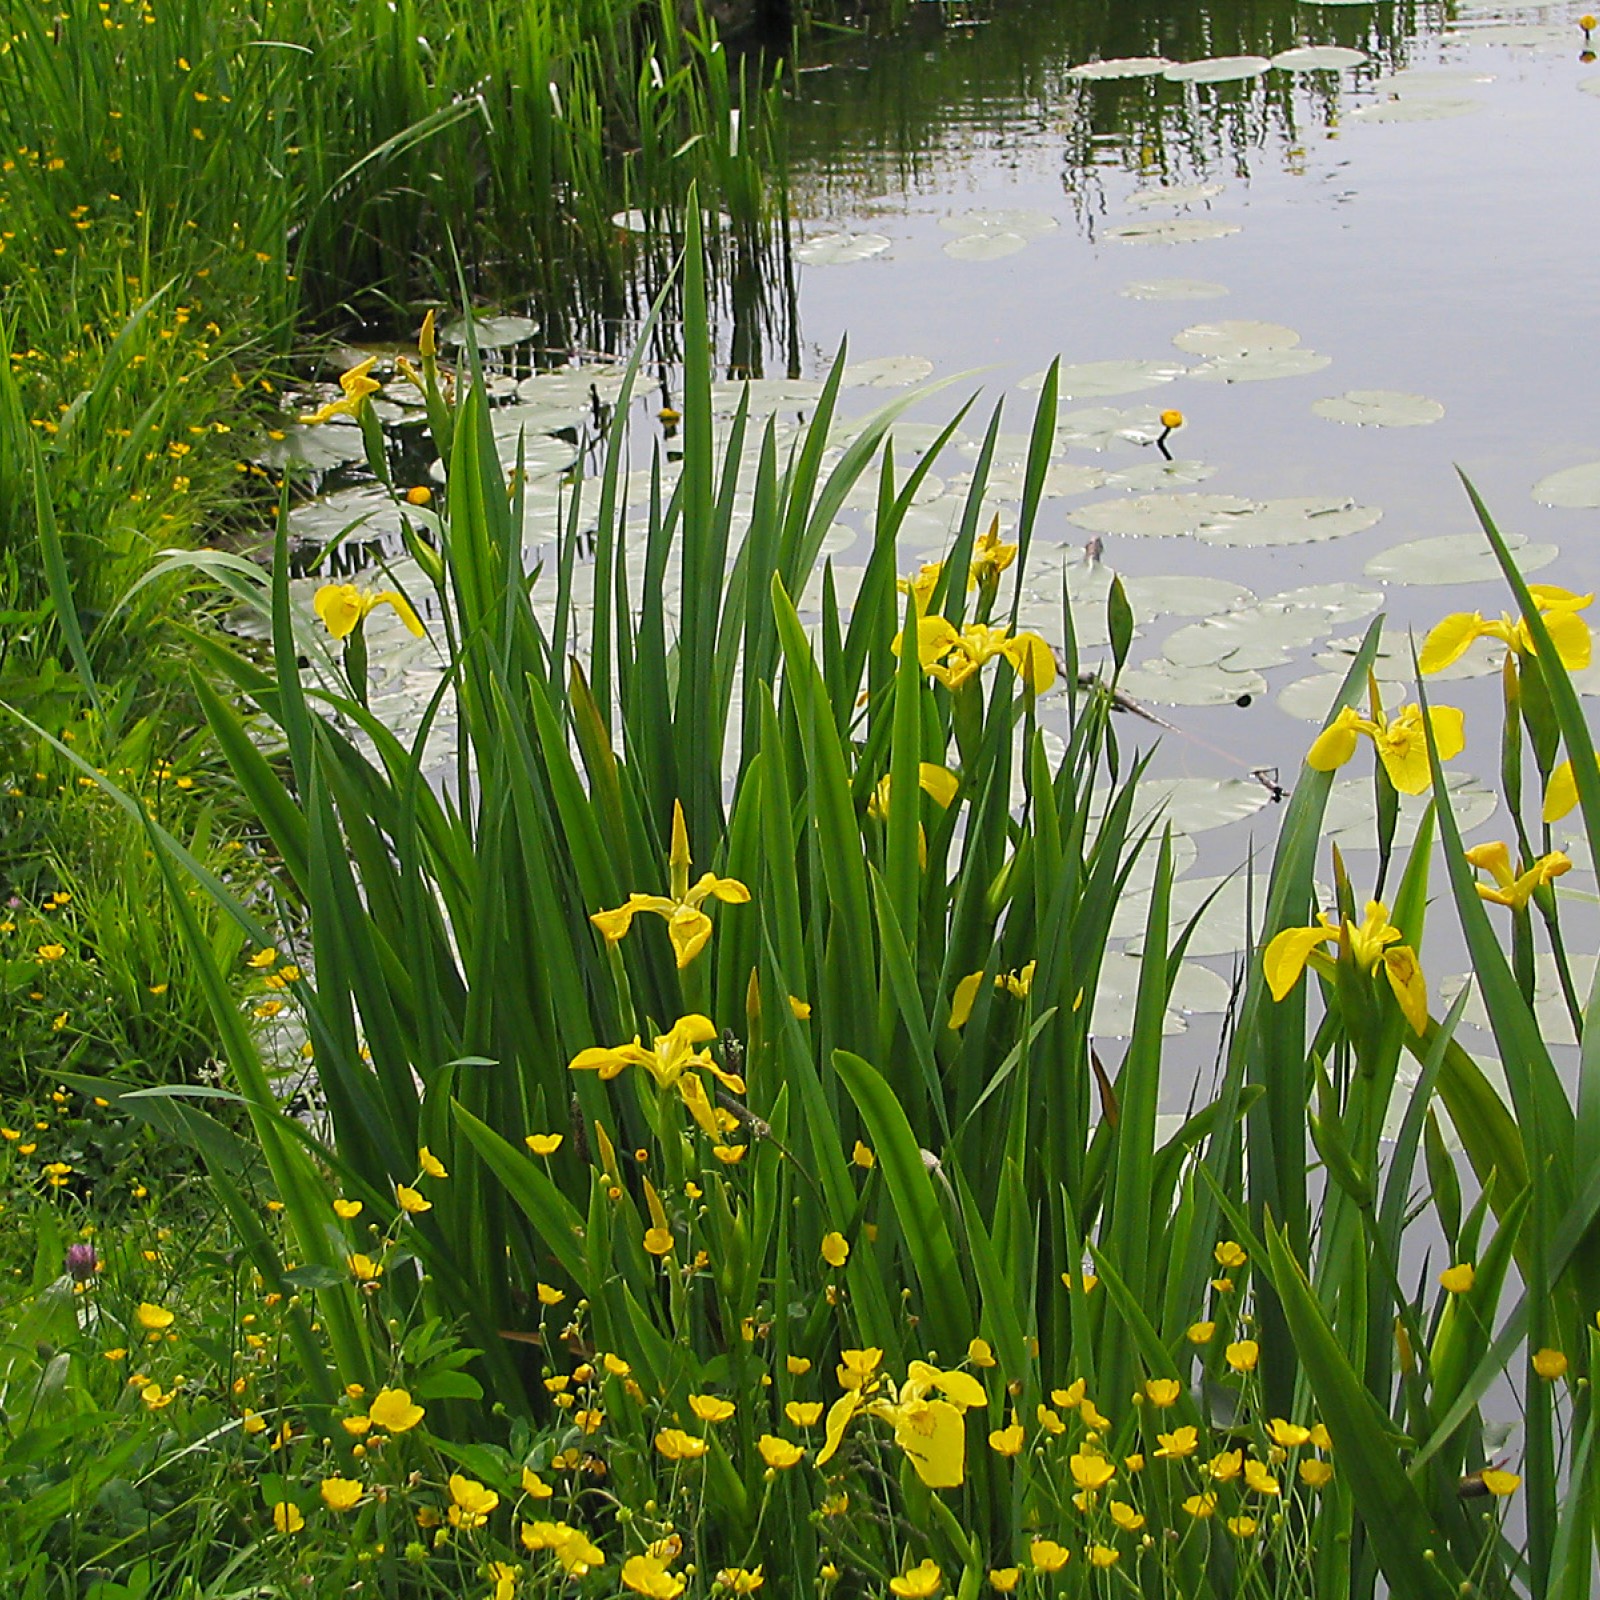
pixel 1354 244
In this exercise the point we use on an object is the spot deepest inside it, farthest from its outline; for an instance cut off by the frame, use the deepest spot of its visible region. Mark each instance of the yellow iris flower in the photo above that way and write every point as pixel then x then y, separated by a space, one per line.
pixel 1511 888
pixel 1374 944
pixel 954 655
pixel 1561 793
pixel 1401 741
pixel 357 384
pixel 991 555
pixel 926 1413
pixel 688 926
pixel 343 608
pixel 674 1063
pixel 1559 608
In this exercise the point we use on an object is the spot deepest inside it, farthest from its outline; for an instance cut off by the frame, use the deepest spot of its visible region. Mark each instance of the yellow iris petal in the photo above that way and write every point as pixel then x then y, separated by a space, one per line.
pixel 1286 956
pixel 1336 743
pixel 338 605
pixel 1448 640
pixel 961 1001
pixel 1410 987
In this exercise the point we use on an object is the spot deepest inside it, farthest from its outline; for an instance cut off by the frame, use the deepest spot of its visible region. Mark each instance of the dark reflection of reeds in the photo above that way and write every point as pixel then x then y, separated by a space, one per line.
pixel 883 114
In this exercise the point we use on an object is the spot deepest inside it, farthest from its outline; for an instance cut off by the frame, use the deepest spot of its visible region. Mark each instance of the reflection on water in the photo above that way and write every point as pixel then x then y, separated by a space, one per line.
pixel 965 81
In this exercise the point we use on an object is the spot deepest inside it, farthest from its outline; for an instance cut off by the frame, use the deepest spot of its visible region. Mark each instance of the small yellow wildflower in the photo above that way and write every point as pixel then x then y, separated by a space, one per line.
pixel 922 1581
pixel 835 1249
pixel 778 1453
pixel 286 1517
pixel 1048 1556
pixel 1243 1354
pixel 340 1494
pixel 1459 1278
pixel 1549 1364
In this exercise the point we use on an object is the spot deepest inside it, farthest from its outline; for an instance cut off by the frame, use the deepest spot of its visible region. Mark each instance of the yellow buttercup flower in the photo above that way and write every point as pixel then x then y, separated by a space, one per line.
pixel 394 1411
pixel 1200 1506
pixel 835 1249
pixel 1201 1332
pixel 1103 1555
pixel 1549 1364
pixel 1008 1441
pixel 340 1494
pixel 470 1502
pixel 286 1517
pixel 1499 1483
pixel 1004 1580
pixel 711 1407
pixel 779 1453
pixel 1316 1474
pixel 804 1413
pixel 1401 742
pixel 543 1144
pixel 1569 633
pixel 954 655
pixel 923 1580
pixel 1162 1392
pixel 1048 1556
pixel 926 1413
pixel 1180 1442
pixel 1372 945
pixel 1243 1354
pixel 687 925
pixel 430 1163
pixel 1512 888
pixel 1287 1435
pixel 676 1445
pixel 1091 1472
pixel 357 385
pixel 343 608
pixel 1242 1527
pixel 1459 1278
pixel 153 1319
pixel 569 1546
pixel 650 1576
pixel 411 1200
pixel 740 1580
pixel 674 1063
pixel 1259 1479
pixel 348 1209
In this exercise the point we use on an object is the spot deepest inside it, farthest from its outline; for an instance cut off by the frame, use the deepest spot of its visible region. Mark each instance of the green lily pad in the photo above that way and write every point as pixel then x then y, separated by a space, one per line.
pixel 839 249
pixel 886 372
pixel 1429 81
pixel 1309 699
pixel 765 395
pixel 1235 338
pixel 1255 366
pixel 1349 821
pixel 1212 683
pixel 1062 479
pixel 1237 906
pixel 1158 516
pixel 1319 58
pixel 1455 558
pixel 1174 230
pixel 1420 108
pixel 1172 595
pixel 318 448
pixel 1261 635
pixel 570 386
pixel 1121 67
pixel 1218 69
pixel 1101 428
pixel 985 246
pixel 1577 488
pixel 1379 408
pixel 492 333
pixel 1196 990
pixel 1179 194
pixel 1549 1006
pixel 1172 289
pixel 1195 805
pixel 1296 520
pixel 1152 475
pixel 1092 380
pixel 1030 224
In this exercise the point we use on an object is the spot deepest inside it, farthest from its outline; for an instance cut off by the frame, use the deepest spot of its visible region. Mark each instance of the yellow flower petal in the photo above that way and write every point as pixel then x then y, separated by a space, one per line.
pixel 1285 957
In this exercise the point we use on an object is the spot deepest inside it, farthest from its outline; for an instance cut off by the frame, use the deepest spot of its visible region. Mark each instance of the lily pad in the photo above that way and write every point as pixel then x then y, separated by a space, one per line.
pixel 1577 488
pixel 1429 81
pixel 1235 338
pixel 570 386
pixel 766 395
pixel 1091 380
pixel 1231 912
pixel 1212 683
pixel 1257 366
pixel 840 249
pixel 1174 230
pixel 1030 224
pixel 1549 1006
pixel 1121 67
pixel 1379 408
pixel 1180 194
pixel 1196 990
pixel 1519 35
pixel 1454 558
pixel 1590 86
pixel 985 246
pixel 492 333
pixel 1419 108
pixel 1295 520
pixel 1195 805
pixel 886 372
pixel 1310 698
pixel 1152 475
pixel 1218 69
pixel 1319 58
pixel 315 449
pixel 1349 821
pixel 1172 289
pixel 1102 427
pixel 1172 595
pixel 1158 516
